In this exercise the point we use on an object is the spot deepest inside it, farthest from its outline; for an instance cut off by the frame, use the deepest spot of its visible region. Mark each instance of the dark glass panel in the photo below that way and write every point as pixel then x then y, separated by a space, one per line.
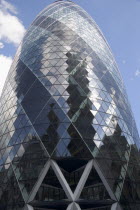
pixel 72 169
pixel 28 164
pixel 25 81
pixel 10 196
pixel 94 188
pixel 50 189
pixel 72 145
pixel 35 100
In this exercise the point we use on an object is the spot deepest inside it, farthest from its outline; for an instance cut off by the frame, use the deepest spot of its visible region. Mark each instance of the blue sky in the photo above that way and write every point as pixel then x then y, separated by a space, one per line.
pixel 119 21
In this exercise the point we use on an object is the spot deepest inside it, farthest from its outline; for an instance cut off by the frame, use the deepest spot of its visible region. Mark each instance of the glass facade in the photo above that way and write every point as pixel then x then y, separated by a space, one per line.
pixel 68 139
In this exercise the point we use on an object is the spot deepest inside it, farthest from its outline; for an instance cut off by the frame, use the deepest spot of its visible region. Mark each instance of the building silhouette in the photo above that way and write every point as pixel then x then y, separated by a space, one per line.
pixel 68 139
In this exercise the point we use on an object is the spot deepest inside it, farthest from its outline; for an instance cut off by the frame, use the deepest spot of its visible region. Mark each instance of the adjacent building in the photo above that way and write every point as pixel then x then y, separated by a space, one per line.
pixel 68 139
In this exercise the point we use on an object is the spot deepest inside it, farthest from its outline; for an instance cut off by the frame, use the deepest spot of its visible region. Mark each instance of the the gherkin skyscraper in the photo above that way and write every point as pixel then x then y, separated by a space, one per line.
pixel 68 139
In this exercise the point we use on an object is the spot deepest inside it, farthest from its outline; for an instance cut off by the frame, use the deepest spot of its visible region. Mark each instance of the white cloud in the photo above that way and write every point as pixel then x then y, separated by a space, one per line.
pixel 5 6
pixel 137 73
pixel 11 28
pixel 1 45
pixel 5 63
pixel 11 31
pixel 124 61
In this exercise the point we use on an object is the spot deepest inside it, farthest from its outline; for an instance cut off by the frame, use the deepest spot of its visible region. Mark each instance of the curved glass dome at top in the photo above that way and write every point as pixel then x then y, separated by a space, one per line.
pixel 64 107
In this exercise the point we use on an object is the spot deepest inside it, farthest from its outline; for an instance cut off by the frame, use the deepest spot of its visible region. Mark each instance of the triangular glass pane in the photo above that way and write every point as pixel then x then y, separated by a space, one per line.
pixel 50 194
pixel 72 169
pixel 95 191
